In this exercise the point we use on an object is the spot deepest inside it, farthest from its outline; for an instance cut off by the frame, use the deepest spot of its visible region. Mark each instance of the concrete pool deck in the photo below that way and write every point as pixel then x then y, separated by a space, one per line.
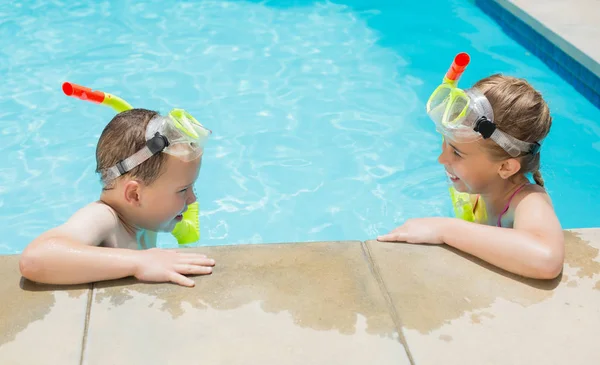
pixel 574 26
pixel 315 303
pixel 563 34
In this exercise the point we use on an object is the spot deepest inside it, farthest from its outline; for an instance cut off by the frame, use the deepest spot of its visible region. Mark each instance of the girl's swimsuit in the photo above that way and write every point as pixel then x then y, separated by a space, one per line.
pixel 499 223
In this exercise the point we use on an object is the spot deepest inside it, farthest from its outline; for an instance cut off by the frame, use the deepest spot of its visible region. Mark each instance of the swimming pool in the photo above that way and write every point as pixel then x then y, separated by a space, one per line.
pixel 317 110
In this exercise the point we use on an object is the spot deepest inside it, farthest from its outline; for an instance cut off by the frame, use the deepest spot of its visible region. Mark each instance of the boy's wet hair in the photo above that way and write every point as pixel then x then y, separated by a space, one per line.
pixel 124 135
pixel 520 111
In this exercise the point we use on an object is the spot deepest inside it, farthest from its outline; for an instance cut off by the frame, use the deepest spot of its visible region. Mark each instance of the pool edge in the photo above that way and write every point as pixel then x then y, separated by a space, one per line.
pixel 575 66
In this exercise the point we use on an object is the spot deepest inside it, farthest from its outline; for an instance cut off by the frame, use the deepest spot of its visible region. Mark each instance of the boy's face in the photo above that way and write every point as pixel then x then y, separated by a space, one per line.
pixel 164 201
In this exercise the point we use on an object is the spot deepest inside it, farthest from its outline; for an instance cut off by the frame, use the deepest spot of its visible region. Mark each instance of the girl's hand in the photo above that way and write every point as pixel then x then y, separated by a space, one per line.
pixel 421 230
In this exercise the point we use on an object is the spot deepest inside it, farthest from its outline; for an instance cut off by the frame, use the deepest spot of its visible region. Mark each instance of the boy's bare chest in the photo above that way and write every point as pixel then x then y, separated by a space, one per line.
pixel 121 238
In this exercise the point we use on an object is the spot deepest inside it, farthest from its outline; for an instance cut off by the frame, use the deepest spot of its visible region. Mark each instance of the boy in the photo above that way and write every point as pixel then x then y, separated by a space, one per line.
pixel 148 165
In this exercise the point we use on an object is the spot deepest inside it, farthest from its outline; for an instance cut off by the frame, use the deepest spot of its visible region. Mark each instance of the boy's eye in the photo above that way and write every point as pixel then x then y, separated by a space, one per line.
pixel 456 153
pixel 183 190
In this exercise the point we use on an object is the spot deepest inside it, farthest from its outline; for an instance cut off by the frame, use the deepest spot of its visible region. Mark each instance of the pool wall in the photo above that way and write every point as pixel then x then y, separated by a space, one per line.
pixel 574 65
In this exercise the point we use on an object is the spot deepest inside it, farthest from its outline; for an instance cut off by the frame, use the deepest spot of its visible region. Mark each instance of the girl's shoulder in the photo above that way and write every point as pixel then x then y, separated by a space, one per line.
pixel 531 194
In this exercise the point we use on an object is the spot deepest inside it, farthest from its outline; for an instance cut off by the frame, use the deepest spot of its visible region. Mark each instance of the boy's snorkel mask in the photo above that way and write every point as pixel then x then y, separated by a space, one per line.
pixel 178 134
pixel 466 115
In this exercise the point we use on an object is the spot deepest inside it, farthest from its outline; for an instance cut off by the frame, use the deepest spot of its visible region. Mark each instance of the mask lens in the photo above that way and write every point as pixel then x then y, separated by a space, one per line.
pixel 439 98
pixel 456 111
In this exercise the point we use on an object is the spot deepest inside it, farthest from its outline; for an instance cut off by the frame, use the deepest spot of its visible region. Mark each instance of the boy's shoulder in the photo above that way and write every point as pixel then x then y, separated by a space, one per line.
pixel 96 224
pixel 96 207
pixel 94 212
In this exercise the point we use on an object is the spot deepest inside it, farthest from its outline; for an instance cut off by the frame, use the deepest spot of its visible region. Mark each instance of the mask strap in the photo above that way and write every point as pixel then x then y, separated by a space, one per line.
pixel 514 147
pixel 485 126
pixel 153 146
pixel 510 144
pixel 480 103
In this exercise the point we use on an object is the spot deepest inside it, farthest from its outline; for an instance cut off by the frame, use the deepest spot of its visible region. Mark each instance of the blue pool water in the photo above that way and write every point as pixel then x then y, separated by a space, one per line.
pixel 317 110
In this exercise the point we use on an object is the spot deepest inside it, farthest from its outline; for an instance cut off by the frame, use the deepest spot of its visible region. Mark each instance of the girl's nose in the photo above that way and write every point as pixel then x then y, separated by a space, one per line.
pixel 443 157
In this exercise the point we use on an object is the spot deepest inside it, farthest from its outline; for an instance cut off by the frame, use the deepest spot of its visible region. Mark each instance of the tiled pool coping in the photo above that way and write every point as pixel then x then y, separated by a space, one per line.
pixel 560 40
pixel 315 303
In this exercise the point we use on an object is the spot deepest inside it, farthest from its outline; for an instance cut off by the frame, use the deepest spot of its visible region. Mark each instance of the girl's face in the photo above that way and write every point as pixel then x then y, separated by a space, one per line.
pixel 468 166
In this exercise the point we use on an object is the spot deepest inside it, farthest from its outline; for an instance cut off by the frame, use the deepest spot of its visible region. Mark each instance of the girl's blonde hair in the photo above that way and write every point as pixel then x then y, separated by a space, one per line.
pixel 520 111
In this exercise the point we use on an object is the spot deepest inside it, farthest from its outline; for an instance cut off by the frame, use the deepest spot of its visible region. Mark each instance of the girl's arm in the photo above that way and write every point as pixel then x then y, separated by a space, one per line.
pixel 533 248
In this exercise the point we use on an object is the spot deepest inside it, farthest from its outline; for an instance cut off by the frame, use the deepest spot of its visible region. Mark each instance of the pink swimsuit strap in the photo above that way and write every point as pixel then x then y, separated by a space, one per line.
pixel 499 224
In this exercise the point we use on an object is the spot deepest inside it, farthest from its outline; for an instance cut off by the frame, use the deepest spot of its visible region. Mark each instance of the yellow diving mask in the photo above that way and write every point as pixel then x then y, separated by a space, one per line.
pixel 467 115
pixel 178 134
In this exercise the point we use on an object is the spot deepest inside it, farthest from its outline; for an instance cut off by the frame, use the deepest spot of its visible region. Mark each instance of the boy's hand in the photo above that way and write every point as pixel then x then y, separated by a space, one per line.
pixel 168 265
pixel 422 230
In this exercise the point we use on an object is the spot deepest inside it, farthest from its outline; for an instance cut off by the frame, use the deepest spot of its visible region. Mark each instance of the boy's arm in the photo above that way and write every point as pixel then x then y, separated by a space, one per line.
pixel 55 258
pixel 534 248
pixel 68 255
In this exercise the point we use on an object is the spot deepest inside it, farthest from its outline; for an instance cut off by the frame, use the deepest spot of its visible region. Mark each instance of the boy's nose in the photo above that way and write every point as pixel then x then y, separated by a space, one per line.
pixel 191 197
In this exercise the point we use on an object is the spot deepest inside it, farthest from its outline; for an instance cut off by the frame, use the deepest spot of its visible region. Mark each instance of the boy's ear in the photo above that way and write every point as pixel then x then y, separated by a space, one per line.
pixel 509 167
pixel 132 192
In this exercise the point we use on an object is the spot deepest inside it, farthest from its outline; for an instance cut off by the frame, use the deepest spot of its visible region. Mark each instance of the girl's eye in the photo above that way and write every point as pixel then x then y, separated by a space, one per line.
pixel 183 190
pixel 456 153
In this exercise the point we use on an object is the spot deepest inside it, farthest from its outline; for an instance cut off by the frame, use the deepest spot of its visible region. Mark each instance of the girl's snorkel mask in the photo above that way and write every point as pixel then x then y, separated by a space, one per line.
pixel 466 115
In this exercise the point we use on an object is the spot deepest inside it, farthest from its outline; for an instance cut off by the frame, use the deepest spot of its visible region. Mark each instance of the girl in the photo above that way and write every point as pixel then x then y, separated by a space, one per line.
pixel 492 134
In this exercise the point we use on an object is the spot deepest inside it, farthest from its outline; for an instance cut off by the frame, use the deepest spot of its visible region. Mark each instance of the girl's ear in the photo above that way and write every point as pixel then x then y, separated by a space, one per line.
pixel 509 167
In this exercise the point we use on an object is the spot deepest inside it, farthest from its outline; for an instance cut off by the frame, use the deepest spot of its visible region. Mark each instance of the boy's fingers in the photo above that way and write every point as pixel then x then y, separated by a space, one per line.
pixel 191 255
pixel 203 261
pixel 187 269
pixel 181 280
pixel 188 254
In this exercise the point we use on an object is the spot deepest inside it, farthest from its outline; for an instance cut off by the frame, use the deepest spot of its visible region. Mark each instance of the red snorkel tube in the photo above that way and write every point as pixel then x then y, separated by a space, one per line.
pixel 460 63
pixel 82 92
pixel 95 96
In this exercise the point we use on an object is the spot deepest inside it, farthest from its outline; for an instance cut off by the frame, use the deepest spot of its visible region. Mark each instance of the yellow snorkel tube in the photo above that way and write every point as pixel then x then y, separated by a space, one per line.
pixel 461 202
pixel 186 231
